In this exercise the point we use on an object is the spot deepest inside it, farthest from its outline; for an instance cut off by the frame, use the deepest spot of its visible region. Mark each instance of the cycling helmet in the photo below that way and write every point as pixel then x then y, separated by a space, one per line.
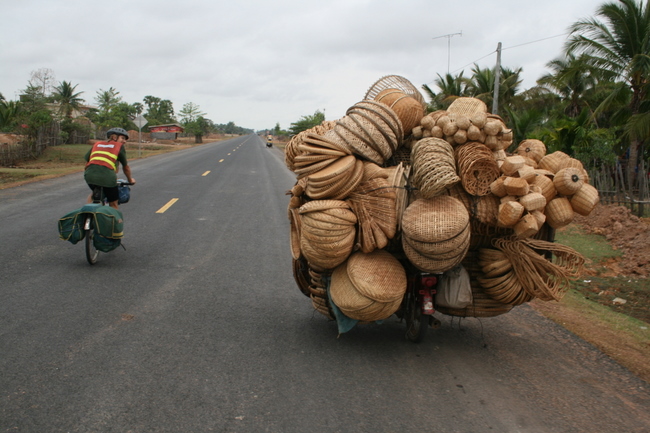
pixel 118 131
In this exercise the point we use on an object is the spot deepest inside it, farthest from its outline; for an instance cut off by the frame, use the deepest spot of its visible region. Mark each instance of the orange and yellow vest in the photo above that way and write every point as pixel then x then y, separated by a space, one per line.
pixel 105 154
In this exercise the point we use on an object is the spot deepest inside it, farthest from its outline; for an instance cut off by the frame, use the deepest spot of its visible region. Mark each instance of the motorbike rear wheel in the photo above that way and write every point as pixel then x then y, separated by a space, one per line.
pixel 416 322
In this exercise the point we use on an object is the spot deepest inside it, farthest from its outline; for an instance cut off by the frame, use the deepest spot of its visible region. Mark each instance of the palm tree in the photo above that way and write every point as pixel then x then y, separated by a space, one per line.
pixel 68 100
pixel 619 45
pixel 451 87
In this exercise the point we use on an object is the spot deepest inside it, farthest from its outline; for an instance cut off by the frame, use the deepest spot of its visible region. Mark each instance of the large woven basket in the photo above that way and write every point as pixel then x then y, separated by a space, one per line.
pixel 434 167
pixel 467 106
pixel 395 82
pixel 408 109
pixel 434 220
pixel 377 275
pixel 477 167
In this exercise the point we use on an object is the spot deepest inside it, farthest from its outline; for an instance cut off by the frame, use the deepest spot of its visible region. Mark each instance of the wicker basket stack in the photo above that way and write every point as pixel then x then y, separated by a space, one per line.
pixel 369 202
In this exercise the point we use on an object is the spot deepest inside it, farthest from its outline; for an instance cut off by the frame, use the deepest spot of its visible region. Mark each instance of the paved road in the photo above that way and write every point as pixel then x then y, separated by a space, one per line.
pixel 199 327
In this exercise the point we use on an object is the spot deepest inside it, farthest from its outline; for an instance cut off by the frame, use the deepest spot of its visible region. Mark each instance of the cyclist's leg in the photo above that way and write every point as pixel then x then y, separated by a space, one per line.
pixel 112 196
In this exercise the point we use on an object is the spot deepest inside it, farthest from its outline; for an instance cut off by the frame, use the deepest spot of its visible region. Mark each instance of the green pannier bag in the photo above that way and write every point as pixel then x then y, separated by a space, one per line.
pixel 109 228
pixel 71 227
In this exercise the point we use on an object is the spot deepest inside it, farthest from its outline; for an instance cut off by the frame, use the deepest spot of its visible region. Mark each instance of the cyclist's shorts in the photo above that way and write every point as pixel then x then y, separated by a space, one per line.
pixel 111 192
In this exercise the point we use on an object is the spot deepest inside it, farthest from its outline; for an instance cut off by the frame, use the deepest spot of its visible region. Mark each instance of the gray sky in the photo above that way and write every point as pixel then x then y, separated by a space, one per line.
pixel 262 62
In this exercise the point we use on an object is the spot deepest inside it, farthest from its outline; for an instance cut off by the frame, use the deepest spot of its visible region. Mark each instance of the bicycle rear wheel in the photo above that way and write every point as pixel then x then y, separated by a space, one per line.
pixel 91 252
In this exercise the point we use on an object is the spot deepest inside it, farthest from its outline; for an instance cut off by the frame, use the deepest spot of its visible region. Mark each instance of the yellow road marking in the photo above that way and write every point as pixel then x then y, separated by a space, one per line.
pixel 206 173
pixel 167 206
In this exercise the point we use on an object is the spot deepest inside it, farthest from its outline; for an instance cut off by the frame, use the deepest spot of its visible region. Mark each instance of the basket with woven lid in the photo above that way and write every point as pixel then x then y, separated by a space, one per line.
pixel 436 219
pixel 533 149
pixel 585 200
pixel 568 181
pixel 377 275
pixel 559 212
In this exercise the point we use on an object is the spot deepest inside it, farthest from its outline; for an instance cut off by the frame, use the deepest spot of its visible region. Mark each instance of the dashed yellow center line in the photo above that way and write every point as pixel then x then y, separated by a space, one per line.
pixel 206 173
pixel 221 160
pixel 167 206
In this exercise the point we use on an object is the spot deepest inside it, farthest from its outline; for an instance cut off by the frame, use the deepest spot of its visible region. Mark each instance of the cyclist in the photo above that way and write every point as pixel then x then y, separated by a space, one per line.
pixel 102 165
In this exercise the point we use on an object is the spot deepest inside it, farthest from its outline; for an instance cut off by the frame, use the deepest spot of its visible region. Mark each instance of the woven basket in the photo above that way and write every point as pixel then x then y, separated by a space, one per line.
pixel 568 181
pixel 533 149
pixel 395 82
pixel 377 275
pixel 445 250
pixel 434 167
pixel 477 168
pixel 511 164
pixel 559 212
pixel 509 213
pixel 533 201
pixel 434 220
pixel 516 186
pixel 301 275
pixel 409 110
pixel 553 162
pixel 545 184
pixel 467 106
pixel 430 265
pixel 585 200
pixel 343 292
pixel 294 233
pixel 526 227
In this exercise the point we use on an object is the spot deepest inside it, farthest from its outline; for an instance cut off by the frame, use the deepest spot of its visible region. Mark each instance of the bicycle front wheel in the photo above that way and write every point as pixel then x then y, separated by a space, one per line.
pixel 91 251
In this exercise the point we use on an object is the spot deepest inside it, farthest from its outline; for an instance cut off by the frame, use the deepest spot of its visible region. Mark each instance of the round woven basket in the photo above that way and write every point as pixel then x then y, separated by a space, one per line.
pixel 533 149
pixel 509 213
pixel 376 311
pixel 553 162
pixel 477 168
pixel 434 220
pixel 546 186
pixel 443 250
pixel 395 82
pixel 377 275
pixel 409 110
pixel 568 181
pixel 344 294
pixel 516 186
pixel 434 166
pixel 585 200
pixel 429 265
pixel 559 212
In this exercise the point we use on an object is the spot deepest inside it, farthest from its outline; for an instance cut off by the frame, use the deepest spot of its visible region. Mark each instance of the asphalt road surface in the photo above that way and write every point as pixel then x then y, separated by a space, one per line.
pixel 198 326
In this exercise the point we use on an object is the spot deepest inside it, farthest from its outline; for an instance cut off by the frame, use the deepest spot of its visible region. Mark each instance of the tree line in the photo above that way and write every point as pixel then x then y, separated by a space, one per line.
pixel 44 100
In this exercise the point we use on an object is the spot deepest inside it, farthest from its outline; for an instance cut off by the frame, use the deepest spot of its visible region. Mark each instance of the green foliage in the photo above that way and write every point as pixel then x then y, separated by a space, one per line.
pixel 190 113
pixel 68 100
pixel 159 111
pixel 9 115
pixel 307 122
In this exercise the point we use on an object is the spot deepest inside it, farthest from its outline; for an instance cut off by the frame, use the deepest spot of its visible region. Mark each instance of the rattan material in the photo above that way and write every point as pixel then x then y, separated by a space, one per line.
pixel 343 292
pixel 568 181
pixel 526 227
pixel 434 220
pixel 428 265
pixel 434 166
pixel 319 205
pixel 395 82
pixel 294 233
pixel 301 275
pixel 509 213
pixel 477 168
pixel 377 275
pixel 553 162
pixel 585 200
pixel 409 110
pixel 446 250
pixel 516 186
pixel 546 186
pixel 533 149
pixel 533 201
pixel 559 212
pixel 467 106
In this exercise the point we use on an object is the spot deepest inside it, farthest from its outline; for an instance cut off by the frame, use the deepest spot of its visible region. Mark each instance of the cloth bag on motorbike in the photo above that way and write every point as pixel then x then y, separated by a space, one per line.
pixel 454 289
pixel 71 227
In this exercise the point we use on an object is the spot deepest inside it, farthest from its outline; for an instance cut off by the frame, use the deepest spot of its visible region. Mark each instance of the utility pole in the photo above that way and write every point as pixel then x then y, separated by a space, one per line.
pixel 449 36
pixel 497 81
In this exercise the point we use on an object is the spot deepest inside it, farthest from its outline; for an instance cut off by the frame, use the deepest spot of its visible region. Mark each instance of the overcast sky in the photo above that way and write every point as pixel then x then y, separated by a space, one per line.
pixel 262 62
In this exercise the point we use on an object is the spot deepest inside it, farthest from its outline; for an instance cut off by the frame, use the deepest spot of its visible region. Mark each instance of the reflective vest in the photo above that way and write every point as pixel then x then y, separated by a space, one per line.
pixel 105 154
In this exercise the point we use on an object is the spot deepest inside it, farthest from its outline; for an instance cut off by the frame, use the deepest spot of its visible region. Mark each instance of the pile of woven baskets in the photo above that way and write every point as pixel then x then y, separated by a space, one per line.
pixel 388 189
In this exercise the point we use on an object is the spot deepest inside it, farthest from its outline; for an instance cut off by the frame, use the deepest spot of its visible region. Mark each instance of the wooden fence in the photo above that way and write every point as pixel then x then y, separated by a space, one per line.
pixel 612 185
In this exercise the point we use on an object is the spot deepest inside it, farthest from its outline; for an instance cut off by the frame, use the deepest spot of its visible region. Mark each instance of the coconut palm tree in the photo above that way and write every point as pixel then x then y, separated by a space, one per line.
pixel 68 100
pixel 618 42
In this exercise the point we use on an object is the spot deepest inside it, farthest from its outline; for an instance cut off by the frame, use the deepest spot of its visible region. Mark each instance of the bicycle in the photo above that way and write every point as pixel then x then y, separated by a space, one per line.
pixel 92 253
